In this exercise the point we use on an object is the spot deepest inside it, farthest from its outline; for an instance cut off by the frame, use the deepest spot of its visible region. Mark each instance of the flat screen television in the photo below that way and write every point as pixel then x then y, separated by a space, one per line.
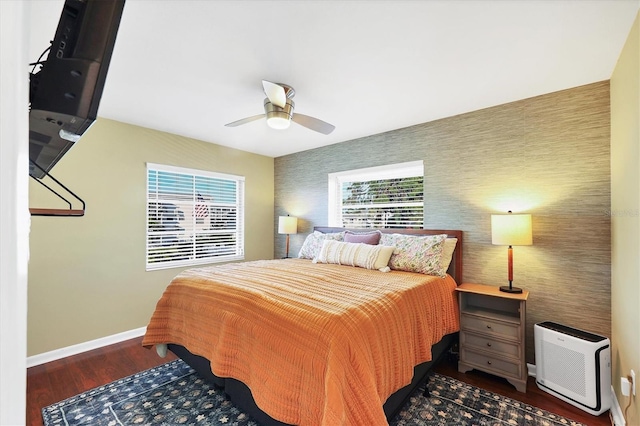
pixel 65 91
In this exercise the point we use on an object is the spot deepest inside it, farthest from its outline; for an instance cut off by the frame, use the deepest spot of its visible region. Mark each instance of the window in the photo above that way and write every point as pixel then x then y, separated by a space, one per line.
pixel 193 217
pixel 378 197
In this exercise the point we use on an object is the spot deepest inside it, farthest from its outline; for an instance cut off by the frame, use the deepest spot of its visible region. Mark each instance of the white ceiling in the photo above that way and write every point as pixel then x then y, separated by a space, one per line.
pixel 189 67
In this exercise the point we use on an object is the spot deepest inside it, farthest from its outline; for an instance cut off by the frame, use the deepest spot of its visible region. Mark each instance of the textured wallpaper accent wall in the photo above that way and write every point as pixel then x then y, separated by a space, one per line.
pixel 548 156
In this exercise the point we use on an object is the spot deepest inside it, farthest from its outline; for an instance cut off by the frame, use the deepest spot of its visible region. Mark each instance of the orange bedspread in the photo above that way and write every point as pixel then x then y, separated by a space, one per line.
pixel 317 344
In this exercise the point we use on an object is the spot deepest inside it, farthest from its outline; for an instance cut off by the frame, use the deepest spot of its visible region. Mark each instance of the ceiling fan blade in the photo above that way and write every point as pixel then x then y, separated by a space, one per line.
pixel 313 123
pixel 245 120
pixel 276 93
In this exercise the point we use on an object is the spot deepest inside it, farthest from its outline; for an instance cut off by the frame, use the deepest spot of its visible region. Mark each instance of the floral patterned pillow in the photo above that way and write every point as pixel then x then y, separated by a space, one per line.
pixel 414 253
pixel 313 243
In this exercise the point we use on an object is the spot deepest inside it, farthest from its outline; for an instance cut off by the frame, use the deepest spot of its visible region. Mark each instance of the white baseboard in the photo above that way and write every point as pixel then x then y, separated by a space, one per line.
pixel 531 370
pixel 616 411
pixel 84 347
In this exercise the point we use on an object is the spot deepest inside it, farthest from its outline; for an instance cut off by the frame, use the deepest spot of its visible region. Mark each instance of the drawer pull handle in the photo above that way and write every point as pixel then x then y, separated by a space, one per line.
pixel 489 362
pixel 488 326
pixel 489 344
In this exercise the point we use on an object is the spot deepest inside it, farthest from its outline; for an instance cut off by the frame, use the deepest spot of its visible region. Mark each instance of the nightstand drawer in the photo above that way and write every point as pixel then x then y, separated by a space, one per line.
pixel 486 343
pixel 489 326
pixel 491 364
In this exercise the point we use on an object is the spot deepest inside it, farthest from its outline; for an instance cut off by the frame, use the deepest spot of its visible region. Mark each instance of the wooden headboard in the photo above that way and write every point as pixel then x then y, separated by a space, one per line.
pixel 455 268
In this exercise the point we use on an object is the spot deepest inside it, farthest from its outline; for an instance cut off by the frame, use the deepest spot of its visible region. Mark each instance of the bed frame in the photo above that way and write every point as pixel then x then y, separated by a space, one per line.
pixel 240 394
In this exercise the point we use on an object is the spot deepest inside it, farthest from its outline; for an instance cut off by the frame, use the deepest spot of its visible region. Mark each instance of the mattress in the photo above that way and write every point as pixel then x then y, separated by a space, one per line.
pixel 317 344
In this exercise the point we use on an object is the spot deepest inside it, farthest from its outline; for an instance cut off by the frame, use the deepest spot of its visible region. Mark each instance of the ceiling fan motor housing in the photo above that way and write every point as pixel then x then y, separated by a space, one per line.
pixel 278 118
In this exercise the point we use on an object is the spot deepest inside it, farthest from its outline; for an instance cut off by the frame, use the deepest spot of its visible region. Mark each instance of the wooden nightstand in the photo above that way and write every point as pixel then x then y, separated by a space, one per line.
pixel 492 326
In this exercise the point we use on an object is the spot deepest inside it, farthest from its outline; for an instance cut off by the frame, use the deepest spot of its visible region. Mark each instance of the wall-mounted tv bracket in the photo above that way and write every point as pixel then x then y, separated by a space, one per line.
pixel 56 212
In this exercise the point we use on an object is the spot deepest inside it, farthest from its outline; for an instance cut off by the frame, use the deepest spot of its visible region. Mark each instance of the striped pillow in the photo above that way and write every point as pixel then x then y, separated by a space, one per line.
pixel 355 254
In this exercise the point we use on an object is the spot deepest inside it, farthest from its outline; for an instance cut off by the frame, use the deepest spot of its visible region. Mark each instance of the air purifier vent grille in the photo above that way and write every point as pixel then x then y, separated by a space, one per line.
pixel 569 368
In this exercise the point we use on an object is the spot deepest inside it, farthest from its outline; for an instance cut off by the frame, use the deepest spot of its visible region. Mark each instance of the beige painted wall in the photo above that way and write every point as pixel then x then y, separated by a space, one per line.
pixel 625 221
pixel 87 275
pixel 548 156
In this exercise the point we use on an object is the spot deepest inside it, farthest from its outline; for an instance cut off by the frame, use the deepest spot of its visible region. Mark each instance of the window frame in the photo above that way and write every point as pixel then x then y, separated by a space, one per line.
pixel 389 171
pixel 194 220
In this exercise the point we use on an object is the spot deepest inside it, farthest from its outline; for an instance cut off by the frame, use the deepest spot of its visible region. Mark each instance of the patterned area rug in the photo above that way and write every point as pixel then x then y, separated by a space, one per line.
pixel 173 394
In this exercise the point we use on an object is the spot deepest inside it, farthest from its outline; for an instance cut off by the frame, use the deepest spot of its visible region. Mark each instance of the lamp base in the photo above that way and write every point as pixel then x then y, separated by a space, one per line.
pixel 509 289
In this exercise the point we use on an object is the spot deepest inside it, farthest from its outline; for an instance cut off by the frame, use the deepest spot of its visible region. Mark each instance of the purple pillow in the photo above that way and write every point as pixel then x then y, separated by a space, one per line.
pixel 372 237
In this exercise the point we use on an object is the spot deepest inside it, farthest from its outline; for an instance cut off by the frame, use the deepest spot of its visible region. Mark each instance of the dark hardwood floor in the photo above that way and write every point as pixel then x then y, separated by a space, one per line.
pixel 57 380
pixel 534 395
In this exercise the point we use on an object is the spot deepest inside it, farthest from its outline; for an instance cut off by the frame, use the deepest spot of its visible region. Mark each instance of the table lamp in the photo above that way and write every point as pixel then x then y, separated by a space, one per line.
pixel 287 225
pixel 511 230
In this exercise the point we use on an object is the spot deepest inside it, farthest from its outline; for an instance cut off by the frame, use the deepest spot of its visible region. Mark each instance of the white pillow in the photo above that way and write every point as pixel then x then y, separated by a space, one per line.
pixel 447 254
pixel 355 254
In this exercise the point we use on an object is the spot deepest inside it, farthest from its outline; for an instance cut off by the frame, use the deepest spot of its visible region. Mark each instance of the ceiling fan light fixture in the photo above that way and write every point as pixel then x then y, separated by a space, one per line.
pixel 278 118
pixel 278 121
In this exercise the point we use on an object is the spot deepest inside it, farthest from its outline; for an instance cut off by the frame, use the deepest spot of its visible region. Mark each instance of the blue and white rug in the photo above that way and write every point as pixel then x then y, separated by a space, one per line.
pixel 173 394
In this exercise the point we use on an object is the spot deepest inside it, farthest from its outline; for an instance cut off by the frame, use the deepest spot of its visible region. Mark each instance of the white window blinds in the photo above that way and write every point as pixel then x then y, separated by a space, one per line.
pixel 378 197
pixel 193 217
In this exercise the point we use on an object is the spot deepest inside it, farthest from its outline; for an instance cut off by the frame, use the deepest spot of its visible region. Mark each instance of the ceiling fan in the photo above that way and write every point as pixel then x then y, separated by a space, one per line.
pixel 278 110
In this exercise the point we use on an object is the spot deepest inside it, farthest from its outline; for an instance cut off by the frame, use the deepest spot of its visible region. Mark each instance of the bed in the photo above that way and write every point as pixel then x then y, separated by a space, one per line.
pixel 301 341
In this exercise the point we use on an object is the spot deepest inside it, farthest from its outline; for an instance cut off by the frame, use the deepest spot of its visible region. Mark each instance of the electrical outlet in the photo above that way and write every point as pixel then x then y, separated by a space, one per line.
pixel 633 382
pixel 624 386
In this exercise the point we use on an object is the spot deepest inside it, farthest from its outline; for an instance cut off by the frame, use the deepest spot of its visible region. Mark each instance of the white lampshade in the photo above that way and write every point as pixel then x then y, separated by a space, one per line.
pixel 511 229
pixel 287 225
